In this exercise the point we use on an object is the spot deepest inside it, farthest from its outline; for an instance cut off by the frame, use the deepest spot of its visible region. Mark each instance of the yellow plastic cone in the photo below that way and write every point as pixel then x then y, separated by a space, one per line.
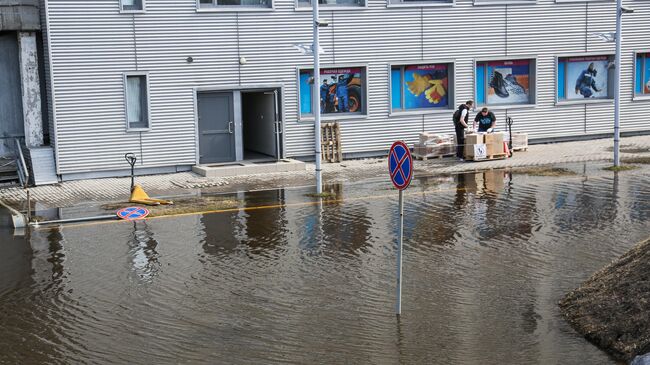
pixel 139 196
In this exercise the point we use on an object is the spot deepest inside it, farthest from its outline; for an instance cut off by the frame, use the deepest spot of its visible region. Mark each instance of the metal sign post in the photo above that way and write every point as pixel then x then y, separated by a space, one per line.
pixel 400 166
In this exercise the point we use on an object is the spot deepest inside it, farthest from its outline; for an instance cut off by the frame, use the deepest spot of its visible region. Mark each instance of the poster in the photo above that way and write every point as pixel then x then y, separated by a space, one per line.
pixel 426 86
pixel 508 82
pixel 340 90
pixel 586 77
pixel 646 73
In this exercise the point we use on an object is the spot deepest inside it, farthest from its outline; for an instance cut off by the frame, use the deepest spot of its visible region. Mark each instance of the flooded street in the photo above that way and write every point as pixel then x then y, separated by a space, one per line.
pixel 285 279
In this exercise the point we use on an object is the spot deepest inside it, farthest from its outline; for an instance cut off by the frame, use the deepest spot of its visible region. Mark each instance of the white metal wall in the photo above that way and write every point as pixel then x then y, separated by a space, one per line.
pixel 92 44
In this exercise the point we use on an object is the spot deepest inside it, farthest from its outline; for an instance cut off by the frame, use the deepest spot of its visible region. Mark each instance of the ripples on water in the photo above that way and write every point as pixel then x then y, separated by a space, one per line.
pixel 487 257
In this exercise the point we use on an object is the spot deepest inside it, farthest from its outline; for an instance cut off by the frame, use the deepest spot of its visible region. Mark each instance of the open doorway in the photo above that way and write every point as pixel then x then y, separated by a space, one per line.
pixel 261 125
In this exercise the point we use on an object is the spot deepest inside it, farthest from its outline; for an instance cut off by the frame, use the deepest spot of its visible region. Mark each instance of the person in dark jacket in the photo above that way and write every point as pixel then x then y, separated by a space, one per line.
pixel 342 92
pixel 461 117
pixel 587 81
pixel 485 120
pixel 324 95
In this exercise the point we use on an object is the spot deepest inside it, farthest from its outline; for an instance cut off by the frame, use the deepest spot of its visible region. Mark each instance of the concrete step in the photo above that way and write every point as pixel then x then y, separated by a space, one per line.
pixel 43 165
pixel 249 168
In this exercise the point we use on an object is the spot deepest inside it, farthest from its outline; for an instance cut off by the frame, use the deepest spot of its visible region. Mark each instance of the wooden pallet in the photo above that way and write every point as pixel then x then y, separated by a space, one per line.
pixel 496 156
pixel 432 156
pixel 520 148
pixel 331 142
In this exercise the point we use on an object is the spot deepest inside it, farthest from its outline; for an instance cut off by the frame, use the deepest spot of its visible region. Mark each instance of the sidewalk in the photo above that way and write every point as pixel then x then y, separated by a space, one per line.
pixel 187 183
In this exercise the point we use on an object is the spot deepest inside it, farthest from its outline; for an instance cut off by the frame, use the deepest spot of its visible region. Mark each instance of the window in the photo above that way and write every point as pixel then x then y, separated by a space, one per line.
pixel 326 3
pixel 137 101
pixel 421 2
pixel 584 78
pixel 505 82
pixel 342 91
pixel 132 5
pixel 238 3
pixel 642 74
pixel 422 87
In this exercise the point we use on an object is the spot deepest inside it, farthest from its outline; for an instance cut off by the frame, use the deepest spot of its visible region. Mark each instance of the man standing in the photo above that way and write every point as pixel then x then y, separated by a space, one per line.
pixel 587 81
pixel 324 94
pixel 342 92
pixel 485 119
pixel 460 123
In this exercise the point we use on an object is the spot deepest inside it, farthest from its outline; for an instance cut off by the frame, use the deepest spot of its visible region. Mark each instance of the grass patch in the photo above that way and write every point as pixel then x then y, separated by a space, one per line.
pixel 630 149
pixel 182 206
pixel 621 168
pixel 544 171
pixel 321 195
pixel 632 160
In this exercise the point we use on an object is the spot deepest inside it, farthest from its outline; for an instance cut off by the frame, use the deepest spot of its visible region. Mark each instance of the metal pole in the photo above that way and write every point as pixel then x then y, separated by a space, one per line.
pixel 398 307
pixel 617 83
pixel 316 99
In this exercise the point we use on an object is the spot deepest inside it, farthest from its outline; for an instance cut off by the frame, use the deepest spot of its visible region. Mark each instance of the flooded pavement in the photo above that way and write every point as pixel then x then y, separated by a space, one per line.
pixel 284 279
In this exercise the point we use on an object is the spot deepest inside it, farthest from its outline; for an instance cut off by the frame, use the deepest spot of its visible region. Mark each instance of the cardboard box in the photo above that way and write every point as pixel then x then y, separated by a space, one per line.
pixel 494 142
pixel 472 149
pixel 474 138
pixel 519 140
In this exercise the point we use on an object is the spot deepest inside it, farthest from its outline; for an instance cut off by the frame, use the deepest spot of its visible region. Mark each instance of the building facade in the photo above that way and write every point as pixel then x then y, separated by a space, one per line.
pixel 188 82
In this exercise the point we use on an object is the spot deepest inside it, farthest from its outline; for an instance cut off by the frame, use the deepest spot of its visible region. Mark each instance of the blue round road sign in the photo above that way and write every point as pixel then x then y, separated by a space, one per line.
pixel 132 213
pixel 400 165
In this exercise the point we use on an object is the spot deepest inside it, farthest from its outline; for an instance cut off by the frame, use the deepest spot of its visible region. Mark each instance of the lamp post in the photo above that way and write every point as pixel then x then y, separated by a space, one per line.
pixel 316 97
pixel 620 10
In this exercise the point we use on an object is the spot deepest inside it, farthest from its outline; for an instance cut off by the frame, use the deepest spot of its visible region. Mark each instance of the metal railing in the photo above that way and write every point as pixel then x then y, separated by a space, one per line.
pixel 23 172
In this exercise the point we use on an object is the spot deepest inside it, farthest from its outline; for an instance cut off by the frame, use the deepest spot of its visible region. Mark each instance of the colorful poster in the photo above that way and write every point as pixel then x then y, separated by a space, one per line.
pixel 340 90
pixel 425 86
pixel 508 82
pixel 646 73
pixel 586 77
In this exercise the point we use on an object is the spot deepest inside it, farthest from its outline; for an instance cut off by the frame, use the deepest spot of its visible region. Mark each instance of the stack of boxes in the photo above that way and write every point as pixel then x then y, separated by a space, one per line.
pixel 435 145
pixel 482 145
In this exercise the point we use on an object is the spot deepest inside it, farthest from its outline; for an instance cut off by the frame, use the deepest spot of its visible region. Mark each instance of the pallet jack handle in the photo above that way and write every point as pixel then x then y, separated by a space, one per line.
pixel 509 122
pixel 131 159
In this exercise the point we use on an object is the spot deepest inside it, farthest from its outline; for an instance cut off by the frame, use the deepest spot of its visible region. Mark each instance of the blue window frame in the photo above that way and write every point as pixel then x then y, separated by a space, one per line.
pixel 584 78
pixel 642 74
pixel 505 82
pixel 421 87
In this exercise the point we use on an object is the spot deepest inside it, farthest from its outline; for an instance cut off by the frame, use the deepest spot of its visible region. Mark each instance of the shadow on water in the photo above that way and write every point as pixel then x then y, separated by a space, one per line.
pixel 293 278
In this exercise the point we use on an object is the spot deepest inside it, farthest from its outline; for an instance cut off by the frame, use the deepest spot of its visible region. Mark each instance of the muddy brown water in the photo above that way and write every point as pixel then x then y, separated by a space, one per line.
pixel 487 257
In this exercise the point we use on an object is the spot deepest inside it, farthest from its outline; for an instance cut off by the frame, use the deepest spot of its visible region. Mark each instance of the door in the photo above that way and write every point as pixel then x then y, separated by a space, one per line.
pixel 216 128
pixel 278 125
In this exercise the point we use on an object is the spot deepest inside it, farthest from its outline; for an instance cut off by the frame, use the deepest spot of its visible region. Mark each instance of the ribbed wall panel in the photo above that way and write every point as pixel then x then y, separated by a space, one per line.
pixel 93 45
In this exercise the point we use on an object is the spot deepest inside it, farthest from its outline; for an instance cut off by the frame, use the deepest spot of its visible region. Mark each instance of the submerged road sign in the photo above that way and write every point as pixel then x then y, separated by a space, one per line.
pixel 400 165
pixel 132 213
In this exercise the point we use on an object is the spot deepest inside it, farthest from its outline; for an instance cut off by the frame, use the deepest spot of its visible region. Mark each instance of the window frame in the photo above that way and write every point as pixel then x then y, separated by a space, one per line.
pixel 232 8
pixel 610 80
pixel 533 69
pixel 451 88
pixel 420 4
pixel 330 7
pixel 507 2
pixel 133 11
pixel 641 96
pixel 334 116
pixel 125 77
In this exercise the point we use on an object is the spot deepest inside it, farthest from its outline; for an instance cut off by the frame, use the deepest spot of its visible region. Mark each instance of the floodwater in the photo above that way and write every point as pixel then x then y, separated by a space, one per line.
pixel 487 257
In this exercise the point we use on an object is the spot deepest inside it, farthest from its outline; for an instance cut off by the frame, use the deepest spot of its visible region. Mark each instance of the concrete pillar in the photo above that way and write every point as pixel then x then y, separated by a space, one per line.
pixel 31 89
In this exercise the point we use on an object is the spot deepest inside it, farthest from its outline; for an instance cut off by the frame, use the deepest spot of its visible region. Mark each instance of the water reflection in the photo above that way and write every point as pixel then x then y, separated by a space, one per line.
pixel 142 252
pixel 260 230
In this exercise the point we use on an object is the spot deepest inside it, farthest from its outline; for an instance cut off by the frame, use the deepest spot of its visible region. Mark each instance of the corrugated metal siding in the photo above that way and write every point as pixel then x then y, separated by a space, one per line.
pixel 94 44
pixel 47 74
